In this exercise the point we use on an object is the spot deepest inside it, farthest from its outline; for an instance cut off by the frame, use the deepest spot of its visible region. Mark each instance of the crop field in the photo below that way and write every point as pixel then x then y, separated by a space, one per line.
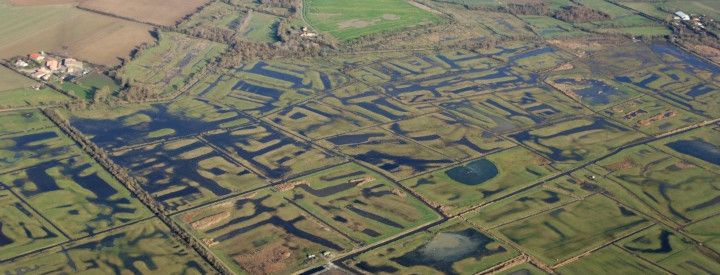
pixel 565 232
pixel 95 38
pixel 363 204
pixel 23 230
pixel 168 65
pixel 453 248
pixel 185 172
pixel 262 233
pixel 146 247
pixel 159 12
pixel 481 180
pixel 154 122
pixel 347 19
pixel 577 140
pixel 270 152
pixel 92 200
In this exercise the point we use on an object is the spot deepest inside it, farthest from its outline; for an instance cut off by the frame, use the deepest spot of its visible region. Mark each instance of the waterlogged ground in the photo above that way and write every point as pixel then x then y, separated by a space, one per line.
pixel 525 158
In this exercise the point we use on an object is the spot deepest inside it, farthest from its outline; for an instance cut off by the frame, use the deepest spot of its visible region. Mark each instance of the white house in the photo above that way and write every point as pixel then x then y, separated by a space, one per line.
pixel 682 15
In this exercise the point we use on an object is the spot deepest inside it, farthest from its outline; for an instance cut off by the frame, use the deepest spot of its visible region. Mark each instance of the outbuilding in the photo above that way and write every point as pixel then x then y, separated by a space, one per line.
pixel 682 15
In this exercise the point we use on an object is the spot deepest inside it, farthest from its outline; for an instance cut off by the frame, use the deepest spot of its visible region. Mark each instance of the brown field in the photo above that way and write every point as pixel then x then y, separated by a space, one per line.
pixel 68 31
pixel 40 2
pixel 160 12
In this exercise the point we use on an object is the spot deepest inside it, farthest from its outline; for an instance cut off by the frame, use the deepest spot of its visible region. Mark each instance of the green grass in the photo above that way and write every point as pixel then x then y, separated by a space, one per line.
pixel 259 233
pixel 650 115
pixel 260 28
pixel 708 138
pixel 609 259
pixel 23 121
pixel 516 168
pixel 146 247
pixel 568 231
pixel 31 148
pixel 92 200
pixel 453 247
pixel 348 19
pixel 333 195
pixel 10 80
pixel 23 230
pixel 706 232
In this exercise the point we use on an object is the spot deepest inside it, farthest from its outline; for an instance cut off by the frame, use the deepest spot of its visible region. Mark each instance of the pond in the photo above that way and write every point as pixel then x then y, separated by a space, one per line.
pixel 473 173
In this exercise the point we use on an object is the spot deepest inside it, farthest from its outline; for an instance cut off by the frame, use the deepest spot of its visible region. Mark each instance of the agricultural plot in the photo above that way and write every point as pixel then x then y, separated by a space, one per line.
pixel 23 121
pixel 578 140
pixel 451 248
pixel 186 172
pixel 16 91
pixel 347 20
pixel 262 88
pixel 159 12
pixel 142 248
pixel 513 110
pixel 22 230
pixel 481 180
pixel 568 231
pixel 28 149
pixel 669 250
pixel 596 93
pixel 449 135
pixel 395 155
pixel 549 27
pixel 216 15
pixel 701 146
pixel 609 259
pixel 259 27
pixel 652 116
pixel 317 120
pixel 552 194
pixel 86 86
pixel 262 233
pixel 364 102
pixel 705 231
pixel 269 152
pixel 523 269
pixel 92 200
pixel 361 203
pixel 95 38
pixel 678 190
pixel 169 65
pixel 125 126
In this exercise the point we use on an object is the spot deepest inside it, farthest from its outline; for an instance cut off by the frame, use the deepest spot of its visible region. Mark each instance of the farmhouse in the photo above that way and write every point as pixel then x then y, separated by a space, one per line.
pixel 42 73
pixel 37 57
pixel 682 15
pixel 52 64
pixel 72 65
pixel 21 64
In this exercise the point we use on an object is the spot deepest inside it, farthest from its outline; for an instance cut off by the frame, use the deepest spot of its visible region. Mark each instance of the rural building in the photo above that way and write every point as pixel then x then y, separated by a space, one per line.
pixel 37 57
pixel 21 64
pixel 42 73
pixel 682 15
pixel 72 65
pixel 52 64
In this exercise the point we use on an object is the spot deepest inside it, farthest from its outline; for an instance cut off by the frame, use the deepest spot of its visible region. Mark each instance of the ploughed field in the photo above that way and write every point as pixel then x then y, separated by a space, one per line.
pixel 520 158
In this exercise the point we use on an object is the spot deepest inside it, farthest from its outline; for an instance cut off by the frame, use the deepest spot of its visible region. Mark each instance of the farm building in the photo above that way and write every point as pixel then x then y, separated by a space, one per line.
pixel 52 64
pixel 682 15
pixel 72 65
pixel 37 57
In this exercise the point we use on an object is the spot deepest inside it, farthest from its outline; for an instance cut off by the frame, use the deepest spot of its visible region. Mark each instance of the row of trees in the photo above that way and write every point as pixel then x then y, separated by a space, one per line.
pixel 133 184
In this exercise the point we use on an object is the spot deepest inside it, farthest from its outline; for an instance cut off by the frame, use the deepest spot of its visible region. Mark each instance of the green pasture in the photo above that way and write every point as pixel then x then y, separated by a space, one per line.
pixel 31 148
pixel 481 180
pixel 348 19
pixel 651 115
pixel 142 248
pixel 23 230
pixel 23 121
pixel 609 259
pixel 572 229
pixel 453 247
pixel 262 232
pixel 364 204
pixel 699 146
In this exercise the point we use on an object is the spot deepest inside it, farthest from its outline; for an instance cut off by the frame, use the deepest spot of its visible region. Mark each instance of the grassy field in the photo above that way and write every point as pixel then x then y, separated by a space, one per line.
pixel 141 248
pixel 92 200
pixel 609 259
pixel 31 148
pixel 480 180
pixel 69 31
pixel 450 248
pixel 347 19
pixel 260 27
pixel 363 204
pixel 169 64
pixel 262 233
pixel 16 91
pixel 568 231
pixel 23 229
pixel 26 121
